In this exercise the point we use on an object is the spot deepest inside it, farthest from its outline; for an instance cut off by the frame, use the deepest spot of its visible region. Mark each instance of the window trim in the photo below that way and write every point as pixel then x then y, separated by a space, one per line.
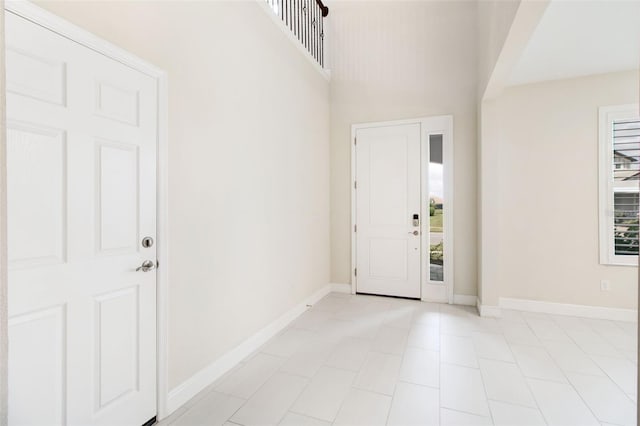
pixel 607 115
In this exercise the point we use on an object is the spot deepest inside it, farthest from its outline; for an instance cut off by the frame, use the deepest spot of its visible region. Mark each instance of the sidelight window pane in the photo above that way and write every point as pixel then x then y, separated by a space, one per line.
pixel 435 208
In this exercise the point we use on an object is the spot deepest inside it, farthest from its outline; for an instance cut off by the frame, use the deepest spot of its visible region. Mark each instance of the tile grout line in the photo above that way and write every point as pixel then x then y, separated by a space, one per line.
pixel 486 395
pixel 608 376
pixel 351 387
pixel 526 382
pixel 552 359
pixel 457 410
pixel 576 389
pixel 566 375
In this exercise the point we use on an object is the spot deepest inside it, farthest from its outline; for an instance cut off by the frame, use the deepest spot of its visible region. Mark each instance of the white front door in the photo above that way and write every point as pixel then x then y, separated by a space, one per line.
pixel 81 151
pixel 387 199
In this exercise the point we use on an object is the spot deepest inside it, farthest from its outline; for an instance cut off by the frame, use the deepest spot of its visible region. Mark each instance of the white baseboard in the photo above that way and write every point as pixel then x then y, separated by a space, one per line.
pixel 205 377
pixel 464 299
pixel 599 312
pixel 488 310
pixel 340 288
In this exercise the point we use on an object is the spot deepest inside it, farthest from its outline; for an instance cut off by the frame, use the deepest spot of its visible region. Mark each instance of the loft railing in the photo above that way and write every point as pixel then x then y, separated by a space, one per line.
pixel 305 20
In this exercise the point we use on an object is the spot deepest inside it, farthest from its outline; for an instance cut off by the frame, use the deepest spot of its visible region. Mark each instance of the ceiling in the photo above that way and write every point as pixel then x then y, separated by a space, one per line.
pixel 581 37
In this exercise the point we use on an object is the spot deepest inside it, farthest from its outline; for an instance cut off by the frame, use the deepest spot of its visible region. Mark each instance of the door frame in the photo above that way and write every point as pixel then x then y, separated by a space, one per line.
pixel 54 23
pixel 442 124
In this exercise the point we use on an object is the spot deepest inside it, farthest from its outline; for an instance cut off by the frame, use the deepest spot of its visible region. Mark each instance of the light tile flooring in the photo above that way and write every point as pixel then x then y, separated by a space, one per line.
pixel 365 360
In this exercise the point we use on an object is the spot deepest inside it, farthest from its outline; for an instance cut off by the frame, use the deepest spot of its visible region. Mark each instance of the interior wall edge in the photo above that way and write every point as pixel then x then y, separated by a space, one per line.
pixel 3 240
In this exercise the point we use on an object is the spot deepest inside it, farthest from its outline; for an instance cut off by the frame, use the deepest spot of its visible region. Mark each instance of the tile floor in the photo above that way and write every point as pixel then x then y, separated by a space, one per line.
pixel 365 360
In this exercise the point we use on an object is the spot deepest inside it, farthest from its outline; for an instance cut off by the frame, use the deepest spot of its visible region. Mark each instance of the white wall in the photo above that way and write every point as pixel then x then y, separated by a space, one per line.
pixel 548 198
pixel 248 165
pixel 3 239
pixel 494 22
pixel 397 60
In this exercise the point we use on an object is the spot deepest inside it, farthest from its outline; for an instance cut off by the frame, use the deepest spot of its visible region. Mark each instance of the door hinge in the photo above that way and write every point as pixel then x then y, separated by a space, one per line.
pixel 355 141
pixel 355 228
pixel 355 272
pixel 355 184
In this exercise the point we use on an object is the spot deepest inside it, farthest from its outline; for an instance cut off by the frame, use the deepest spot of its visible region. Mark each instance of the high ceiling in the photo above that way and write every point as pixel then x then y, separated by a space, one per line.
pixel 582 37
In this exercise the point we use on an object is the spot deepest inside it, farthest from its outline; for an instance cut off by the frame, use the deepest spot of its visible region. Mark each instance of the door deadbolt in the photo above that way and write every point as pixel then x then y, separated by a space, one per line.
pixel 147 242
pixel 416 220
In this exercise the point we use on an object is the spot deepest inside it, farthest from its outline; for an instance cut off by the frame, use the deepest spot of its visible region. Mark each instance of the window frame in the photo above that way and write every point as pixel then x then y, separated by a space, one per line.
pixel 607 115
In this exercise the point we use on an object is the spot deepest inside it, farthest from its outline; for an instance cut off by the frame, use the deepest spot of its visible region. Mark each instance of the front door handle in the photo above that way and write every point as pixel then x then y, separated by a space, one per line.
pixel 146 266
pixel 416 232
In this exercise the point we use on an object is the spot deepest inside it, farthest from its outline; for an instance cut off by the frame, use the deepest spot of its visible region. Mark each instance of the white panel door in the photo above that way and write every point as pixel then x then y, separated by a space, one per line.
pixel 387 198
pixel 81 150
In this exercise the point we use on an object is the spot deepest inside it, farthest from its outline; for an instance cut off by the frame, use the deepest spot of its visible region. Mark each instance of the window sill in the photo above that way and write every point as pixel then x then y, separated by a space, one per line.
pixel 620 263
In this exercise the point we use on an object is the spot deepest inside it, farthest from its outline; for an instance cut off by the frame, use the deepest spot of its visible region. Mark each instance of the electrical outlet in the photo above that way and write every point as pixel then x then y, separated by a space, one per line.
pixel 605 285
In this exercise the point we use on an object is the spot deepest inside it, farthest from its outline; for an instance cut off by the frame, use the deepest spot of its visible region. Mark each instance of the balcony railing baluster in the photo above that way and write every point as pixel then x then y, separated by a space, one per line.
pixel 305 19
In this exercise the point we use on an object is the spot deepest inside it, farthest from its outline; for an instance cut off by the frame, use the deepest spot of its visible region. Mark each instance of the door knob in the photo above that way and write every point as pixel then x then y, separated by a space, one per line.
pixel 416 232
pixel 146 266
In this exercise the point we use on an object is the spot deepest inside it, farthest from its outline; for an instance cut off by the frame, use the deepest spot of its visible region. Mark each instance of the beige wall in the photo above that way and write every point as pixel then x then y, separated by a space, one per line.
pixel 248 165
pixel 548 247
pixel 504 29
pixel 397 60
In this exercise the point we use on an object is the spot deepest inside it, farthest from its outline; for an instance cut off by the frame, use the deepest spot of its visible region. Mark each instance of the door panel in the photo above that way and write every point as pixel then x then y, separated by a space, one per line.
pixel 388 258
pixel 387 197
pixel 37 375
pixel 81 188
pixel 116 362
pixel 117 197
pixel 387 183
pixel 117 103
pixel 35 76
pixel 42 240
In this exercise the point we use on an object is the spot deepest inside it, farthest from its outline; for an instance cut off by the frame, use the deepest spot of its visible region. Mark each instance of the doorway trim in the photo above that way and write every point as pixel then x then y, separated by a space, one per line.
pixel 52 22
pixel 442 124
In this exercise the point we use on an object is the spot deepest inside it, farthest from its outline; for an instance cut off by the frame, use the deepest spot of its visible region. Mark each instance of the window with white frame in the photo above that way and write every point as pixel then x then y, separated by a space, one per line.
pixel 619 184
